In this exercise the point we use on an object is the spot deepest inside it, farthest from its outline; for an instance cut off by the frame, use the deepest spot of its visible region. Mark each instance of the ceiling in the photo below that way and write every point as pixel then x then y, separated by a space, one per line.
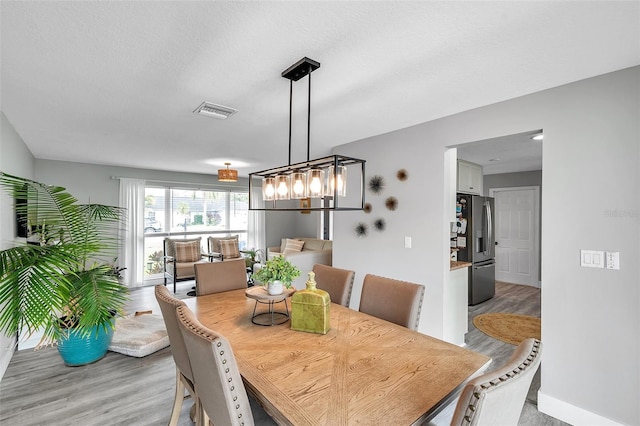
pixel 505 154
pixel 116 83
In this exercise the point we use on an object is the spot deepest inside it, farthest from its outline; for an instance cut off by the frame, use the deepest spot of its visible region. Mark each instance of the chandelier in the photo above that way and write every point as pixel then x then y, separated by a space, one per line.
pixel 319 184
pixel 227 175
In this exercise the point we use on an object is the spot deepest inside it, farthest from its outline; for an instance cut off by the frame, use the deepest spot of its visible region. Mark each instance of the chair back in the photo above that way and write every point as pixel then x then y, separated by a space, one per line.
pixel 335 281
pixel 168 305
pixel 396 301
pixel 216 277
pixel 497 397
pixel 219 384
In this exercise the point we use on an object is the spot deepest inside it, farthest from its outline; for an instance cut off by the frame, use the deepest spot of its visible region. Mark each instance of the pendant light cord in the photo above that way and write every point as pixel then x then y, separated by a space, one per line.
pixel 309 117
pixel 290 112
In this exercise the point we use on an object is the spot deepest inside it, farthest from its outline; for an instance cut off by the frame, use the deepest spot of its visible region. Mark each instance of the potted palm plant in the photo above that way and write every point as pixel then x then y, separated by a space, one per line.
pixel 64 285
pixel 276 274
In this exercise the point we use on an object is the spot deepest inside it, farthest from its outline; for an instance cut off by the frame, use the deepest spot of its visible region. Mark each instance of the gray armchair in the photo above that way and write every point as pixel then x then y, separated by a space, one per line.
pixel 180 255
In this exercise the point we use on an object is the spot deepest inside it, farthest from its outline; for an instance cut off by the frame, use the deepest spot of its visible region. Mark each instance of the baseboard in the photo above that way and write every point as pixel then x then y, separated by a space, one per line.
pixel 570 413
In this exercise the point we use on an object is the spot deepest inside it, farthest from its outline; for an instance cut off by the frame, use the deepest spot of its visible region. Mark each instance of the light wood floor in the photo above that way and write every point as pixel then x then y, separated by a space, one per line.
pixel 119 390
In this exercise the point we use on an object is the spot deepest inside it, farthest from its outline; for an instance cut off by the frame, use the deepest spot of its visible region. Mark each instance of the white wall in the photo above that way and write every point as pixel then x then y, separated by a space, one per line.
pixel 591 158
pixel 15 159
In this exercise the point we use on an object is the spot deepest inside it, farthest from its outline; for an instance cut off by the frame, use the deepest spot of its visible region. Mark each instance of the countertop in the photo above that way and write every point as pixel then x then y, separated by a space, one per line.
pixel 458 265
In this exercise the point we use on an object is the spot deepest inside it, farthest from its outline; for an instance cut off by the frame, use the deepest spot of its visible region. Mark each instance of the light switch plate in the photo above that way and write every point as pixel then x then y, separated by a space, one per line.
pixel 407 242
pixel 592 258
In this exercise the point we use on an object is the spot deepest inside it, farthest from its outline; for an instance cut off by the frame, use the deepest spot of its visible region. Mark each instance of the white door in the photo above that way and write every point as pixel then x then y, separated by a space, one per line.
pixel 517 234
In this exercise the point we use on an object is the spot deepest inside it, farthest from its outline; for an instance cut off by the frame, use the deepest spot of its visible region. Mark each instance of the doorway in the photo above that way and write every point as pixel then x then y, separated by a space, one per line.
pixel 517 234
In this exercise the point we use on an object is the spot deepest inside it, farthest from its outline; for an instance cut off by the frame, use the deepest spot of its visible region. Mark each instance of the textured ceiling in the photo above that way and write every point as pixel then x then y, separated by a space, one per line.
pixel 116 82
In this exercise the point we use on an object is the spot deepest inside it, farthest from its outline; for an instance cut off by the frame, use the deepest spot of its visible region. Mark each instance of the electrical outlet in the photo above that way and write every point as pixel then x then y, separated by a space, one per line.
pixel 613 260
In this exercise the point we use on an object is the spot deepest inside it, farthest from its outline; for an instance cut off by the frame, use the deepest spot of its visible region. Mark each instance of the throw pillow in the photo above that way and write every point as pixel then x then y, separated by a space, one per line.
pixel 229 249
pixel 293 246
pixel 214 243
pixel 187 252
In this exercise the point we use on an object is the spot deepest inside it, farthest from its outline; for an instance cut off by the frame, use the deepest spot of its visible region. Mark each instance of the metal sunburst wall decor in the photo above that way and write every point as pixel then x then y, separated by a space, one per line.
pixel 380 224
pixel 391 203
pixel 376 184
pixel 402 175
pixel 361 229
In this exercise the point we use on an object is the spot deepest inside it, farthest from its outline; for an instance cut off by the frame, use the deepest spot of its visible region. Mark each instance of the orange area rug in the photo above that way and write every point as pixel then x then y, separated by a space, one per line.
pixel 509 328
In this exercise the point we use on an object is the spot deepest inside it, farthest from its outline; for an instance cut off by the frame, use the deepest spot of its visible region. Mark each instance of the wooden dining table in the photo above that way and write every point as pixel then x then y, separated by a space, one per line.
pixel 364 371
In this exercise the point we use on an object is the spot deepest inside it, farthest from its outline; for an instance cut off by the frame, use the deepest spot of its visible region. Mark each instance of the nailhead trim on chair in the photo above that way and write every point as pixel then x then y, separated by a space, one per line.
pixel 220 355
pixel 419 308
pixel 471 408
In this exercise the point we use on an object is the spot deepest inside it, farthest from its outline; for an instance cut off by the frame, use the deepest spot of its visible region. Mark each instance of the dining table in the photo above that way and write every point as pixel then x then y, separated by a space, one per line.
pixel 364 371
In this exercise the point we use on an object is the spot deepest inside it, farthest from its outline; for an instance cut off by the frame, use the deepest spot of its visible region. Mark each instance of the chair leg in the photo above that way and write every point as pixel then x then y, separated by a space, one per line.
pixel 177 402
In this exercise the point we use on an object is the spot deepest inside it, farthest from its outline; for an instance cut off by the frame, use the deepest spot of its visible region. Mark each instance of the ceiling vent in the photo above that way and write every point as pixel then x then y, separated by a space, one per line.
pixel 216 111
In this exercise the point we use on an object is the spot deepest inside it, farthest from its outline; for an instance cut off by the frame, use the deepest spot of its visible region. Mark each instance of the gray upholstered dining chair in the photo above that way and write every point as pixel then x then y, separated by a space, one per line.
pixel 223 397
pixel 392 300
pixel 184 374
pixel 497 397
pixel 335 281
pixel 216 277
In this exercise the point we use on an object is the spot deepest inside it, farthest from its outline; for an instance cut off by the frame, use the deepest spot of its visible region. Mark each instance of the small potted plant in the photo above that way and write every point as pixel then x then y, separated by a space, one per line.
pixel 276 274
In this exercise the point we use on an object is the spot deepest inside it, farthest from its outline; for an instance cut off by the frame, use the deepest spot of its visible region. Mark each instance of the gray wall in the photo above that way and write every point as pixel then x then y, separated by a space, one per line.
pixel 591 158
pixel 92 182
pixel 511 180
pixel 17 160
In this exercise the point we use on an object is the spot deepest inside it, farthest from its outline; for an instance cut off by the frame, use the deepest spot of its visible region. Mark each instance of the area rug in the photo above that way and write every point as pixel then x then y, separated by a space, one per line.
pixel 509 328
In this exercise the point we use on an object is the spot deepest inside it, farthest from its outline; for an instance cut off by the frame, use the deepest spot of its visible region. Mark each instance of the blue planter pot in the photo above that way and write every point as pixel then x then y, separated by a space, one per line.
pixel 77 350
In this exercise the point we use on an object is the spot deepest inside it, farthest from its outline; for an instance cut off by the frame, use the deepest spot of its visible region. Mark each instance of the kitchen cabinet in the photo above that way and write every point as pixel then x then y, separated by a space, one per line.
pixel 469 177
pixel 456 311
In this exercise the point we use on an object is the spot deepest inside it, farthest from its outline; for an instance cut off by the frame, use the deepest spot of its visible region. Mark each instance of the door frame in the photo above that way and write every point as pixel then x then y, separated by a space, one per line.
pixel 536 226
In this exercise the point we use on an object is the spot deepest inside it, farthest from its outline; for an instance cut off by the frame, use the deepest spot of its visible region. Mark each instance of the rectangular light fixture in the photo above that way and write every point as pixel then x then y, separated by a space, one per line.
pixel 216 111
pixel 279 191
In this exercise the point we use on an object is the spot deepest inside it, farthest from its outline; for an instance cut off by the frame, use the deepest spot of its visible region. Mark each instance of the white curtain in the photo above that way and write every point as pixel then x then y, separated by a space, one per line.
pixel 256 228
pixel 132 251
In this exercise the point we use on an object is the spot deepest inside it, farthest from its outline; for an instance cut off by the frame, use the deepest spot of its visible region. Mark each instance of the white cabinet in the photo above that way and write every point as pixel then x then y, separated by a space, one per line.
pixel 469 177
pixel 456 311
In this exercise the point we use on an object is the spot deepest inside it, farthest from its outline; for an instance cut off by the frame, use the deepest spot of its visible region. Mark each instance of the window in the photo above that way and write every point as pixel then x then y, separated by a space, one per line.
pixel 190 213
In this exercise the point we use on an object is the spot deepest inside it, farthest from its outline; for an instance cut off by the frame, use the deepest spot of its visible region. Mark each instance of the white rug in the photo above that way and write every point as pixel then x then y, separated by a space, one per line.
pixel 139 336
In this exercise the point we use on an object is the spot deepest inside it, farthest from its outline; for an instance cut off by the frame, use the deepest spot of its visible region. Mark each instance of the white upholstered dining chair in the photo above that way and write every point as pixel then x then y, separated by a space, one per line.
pixel 223 397
pixel 497 397
pixel 184 374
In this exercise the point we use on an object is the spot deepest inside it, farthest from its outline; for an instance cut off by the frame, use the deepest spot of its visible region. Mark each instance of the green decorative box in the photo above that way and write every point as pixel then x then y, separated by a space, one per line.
pixel 310 309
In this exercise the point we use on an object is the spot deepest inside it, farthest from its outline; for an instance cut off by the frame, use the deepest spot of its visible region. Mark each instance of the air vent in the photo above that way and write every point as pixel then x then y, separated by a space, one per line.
pixel 216 111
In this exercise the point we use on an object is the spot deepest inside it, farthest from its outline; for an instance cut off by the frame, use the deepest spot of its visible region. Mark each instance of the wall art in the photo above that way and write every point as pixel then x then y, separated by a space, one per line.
pixel 391 203
pixel 376 184
pixel 361 229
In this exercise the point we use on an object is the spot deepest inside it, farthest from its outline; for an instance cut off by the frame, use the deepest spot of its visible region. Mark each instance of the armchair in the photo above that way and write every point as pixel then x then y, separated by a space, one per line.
pixel 179 257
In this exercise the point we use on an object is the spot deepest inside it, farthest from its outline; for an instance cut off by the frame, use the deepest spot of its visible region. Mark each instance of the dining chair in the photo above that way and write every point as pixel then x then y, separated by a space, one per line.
pixel 223 397
pixel 184 374
pixel 335 281
pixel 497 397
pixel 216 277
pixel 392 300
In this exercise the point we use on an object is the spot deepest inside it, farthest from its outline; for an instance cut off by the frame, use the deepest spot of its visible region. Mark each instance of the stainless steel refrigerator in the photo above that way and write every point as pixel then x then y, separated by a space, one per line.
pixel 479 245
